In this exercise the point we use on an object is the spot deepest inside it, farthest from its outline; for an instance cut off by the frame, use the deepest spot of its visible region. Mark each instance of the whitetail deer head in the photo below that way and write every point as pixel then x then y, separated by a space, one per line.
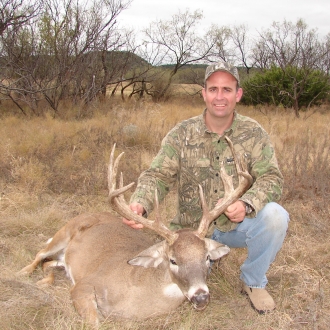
pixel 184 244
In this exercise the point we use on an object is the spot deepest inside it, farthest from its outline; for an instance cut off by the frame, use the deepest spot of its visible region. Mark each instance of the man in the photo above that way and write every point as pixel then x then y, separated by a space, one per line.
pixel 191 154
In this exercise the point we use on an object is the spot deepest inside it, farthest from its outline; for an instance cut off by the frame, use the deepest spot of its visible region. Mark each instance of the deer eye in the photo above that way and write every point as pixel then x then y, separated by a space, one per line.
pixel 208 258
pixel 172 261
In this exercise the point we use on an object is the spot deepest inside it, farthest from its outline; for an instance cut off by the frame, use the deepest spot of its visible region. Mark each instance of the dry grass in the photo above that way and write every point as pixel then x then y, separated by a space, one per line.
pixel 51 170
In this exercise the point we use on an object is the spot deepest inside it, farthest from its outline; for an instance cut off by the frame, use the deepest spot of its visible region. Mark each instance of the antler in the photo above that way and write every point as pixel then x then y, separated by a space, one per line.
pixel 118 203
pixel 231 194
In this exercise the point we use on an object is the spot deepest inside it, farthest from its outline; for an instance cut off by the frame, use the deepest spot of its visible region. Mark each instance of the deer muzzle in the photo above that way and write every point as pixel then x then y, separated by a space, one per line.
pixel 200 299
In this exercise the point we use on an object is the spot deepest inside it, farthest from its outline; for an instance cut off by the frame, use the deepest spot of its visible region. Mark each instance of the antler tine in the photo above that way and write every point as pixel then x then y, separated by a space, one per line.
pixel 241 166
pixel 231 194
pixel 112 175
pixel 118 203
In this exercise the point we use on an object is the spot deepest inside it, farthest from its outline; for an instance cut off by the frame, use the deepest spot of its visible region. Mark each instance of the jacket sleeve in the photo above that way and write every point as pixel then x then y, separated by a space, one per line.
pixel 268 179
pixel 161 176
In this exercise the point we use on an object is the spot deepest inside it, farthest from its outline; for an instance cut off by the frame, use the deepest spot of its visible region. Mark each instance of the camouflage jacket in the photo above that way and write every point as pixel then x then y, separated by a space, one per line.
pixel 190 155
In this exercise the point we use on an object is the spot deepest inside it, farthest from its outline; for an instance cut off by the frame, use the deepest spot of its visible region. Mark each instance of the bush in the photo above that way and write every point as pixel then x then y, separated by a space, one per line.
pixel 291 88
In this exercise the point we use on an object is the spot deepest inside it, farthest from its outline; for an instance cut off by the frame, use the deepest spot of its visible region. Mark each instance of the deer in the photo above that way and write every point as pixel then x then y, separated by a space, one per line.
pixel 120 272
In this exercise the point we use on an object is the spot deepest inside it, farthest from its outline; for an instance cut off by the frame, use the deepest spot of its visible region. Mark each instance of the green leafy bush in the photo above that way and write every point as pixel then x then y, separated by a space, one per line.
pixel 290 87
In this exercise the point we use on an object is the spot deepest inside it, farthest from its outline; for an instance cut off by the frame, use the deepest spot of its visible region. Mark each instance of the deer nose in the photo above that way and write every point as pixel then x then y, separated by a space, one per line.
pixel 200 299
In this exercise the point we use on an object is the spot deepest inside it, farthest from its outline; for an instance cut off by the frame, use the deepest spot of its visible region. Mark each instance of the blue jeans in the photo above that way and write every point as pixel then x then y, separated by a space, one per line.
pixel 263 237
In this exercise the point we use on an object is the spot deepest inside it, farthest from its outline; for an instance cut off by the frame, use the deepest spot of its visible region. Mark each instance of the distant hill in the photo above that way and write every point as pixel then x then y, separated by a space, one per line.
pixel 126 58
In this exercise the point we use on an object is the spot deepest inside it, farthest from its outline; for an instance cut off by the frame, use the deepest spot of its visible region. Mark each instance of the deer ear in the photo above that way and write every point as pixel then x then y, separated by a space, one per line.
pixel 216 250
pixel 151 257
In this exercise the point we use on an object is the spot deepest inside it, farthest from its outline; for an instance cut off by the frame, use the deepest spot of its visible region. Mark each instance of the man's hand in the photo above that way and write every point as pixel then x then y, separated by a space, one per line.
pixel 236 211
pixel 138 209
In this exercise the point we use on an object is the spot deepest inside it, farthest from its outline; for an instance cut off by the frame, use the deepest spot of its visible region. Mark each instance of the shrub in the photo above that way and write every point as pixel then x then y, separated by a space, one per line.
pixel 290 87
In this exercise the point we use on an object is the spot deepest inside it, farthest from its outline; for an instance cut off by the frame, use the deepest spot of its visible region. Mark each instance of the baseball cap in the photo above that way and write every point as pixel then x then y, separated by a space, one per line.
pixel 221 66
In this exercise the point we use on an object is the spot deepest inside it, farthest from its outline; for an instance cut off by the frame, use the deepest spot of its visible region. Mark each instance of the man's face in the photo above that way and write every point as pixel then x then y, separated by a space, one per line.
pixel 221 94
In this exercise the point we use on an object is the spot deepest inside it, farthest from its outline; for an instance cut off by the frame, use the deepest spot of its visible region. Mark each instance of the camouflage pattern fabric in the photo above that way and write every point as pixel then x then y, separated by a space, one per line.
pixel 191 155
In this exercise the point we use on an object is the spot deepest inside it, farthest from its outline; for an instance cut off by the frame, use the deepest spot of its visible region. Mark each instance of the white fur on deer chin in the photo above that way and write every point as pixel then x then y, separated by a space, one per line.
pixel 173 290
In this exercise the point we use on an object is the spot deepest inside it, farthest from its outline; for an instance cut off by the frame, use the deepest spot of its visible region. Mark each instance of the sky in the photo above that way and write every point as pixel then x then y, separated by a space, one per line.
pixel 258 15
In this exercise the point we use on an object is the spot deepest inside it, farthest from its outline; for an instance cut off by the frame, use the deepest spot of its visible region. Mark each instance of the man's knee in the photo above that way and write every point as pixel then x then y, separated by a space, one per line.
pixel 275 216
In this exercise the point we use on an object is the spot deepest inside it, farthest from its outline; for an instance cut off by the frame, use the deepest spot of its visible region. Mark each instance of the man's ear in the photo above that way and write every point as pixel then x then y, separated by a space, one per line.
pixel 203 93
pixel 239 94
